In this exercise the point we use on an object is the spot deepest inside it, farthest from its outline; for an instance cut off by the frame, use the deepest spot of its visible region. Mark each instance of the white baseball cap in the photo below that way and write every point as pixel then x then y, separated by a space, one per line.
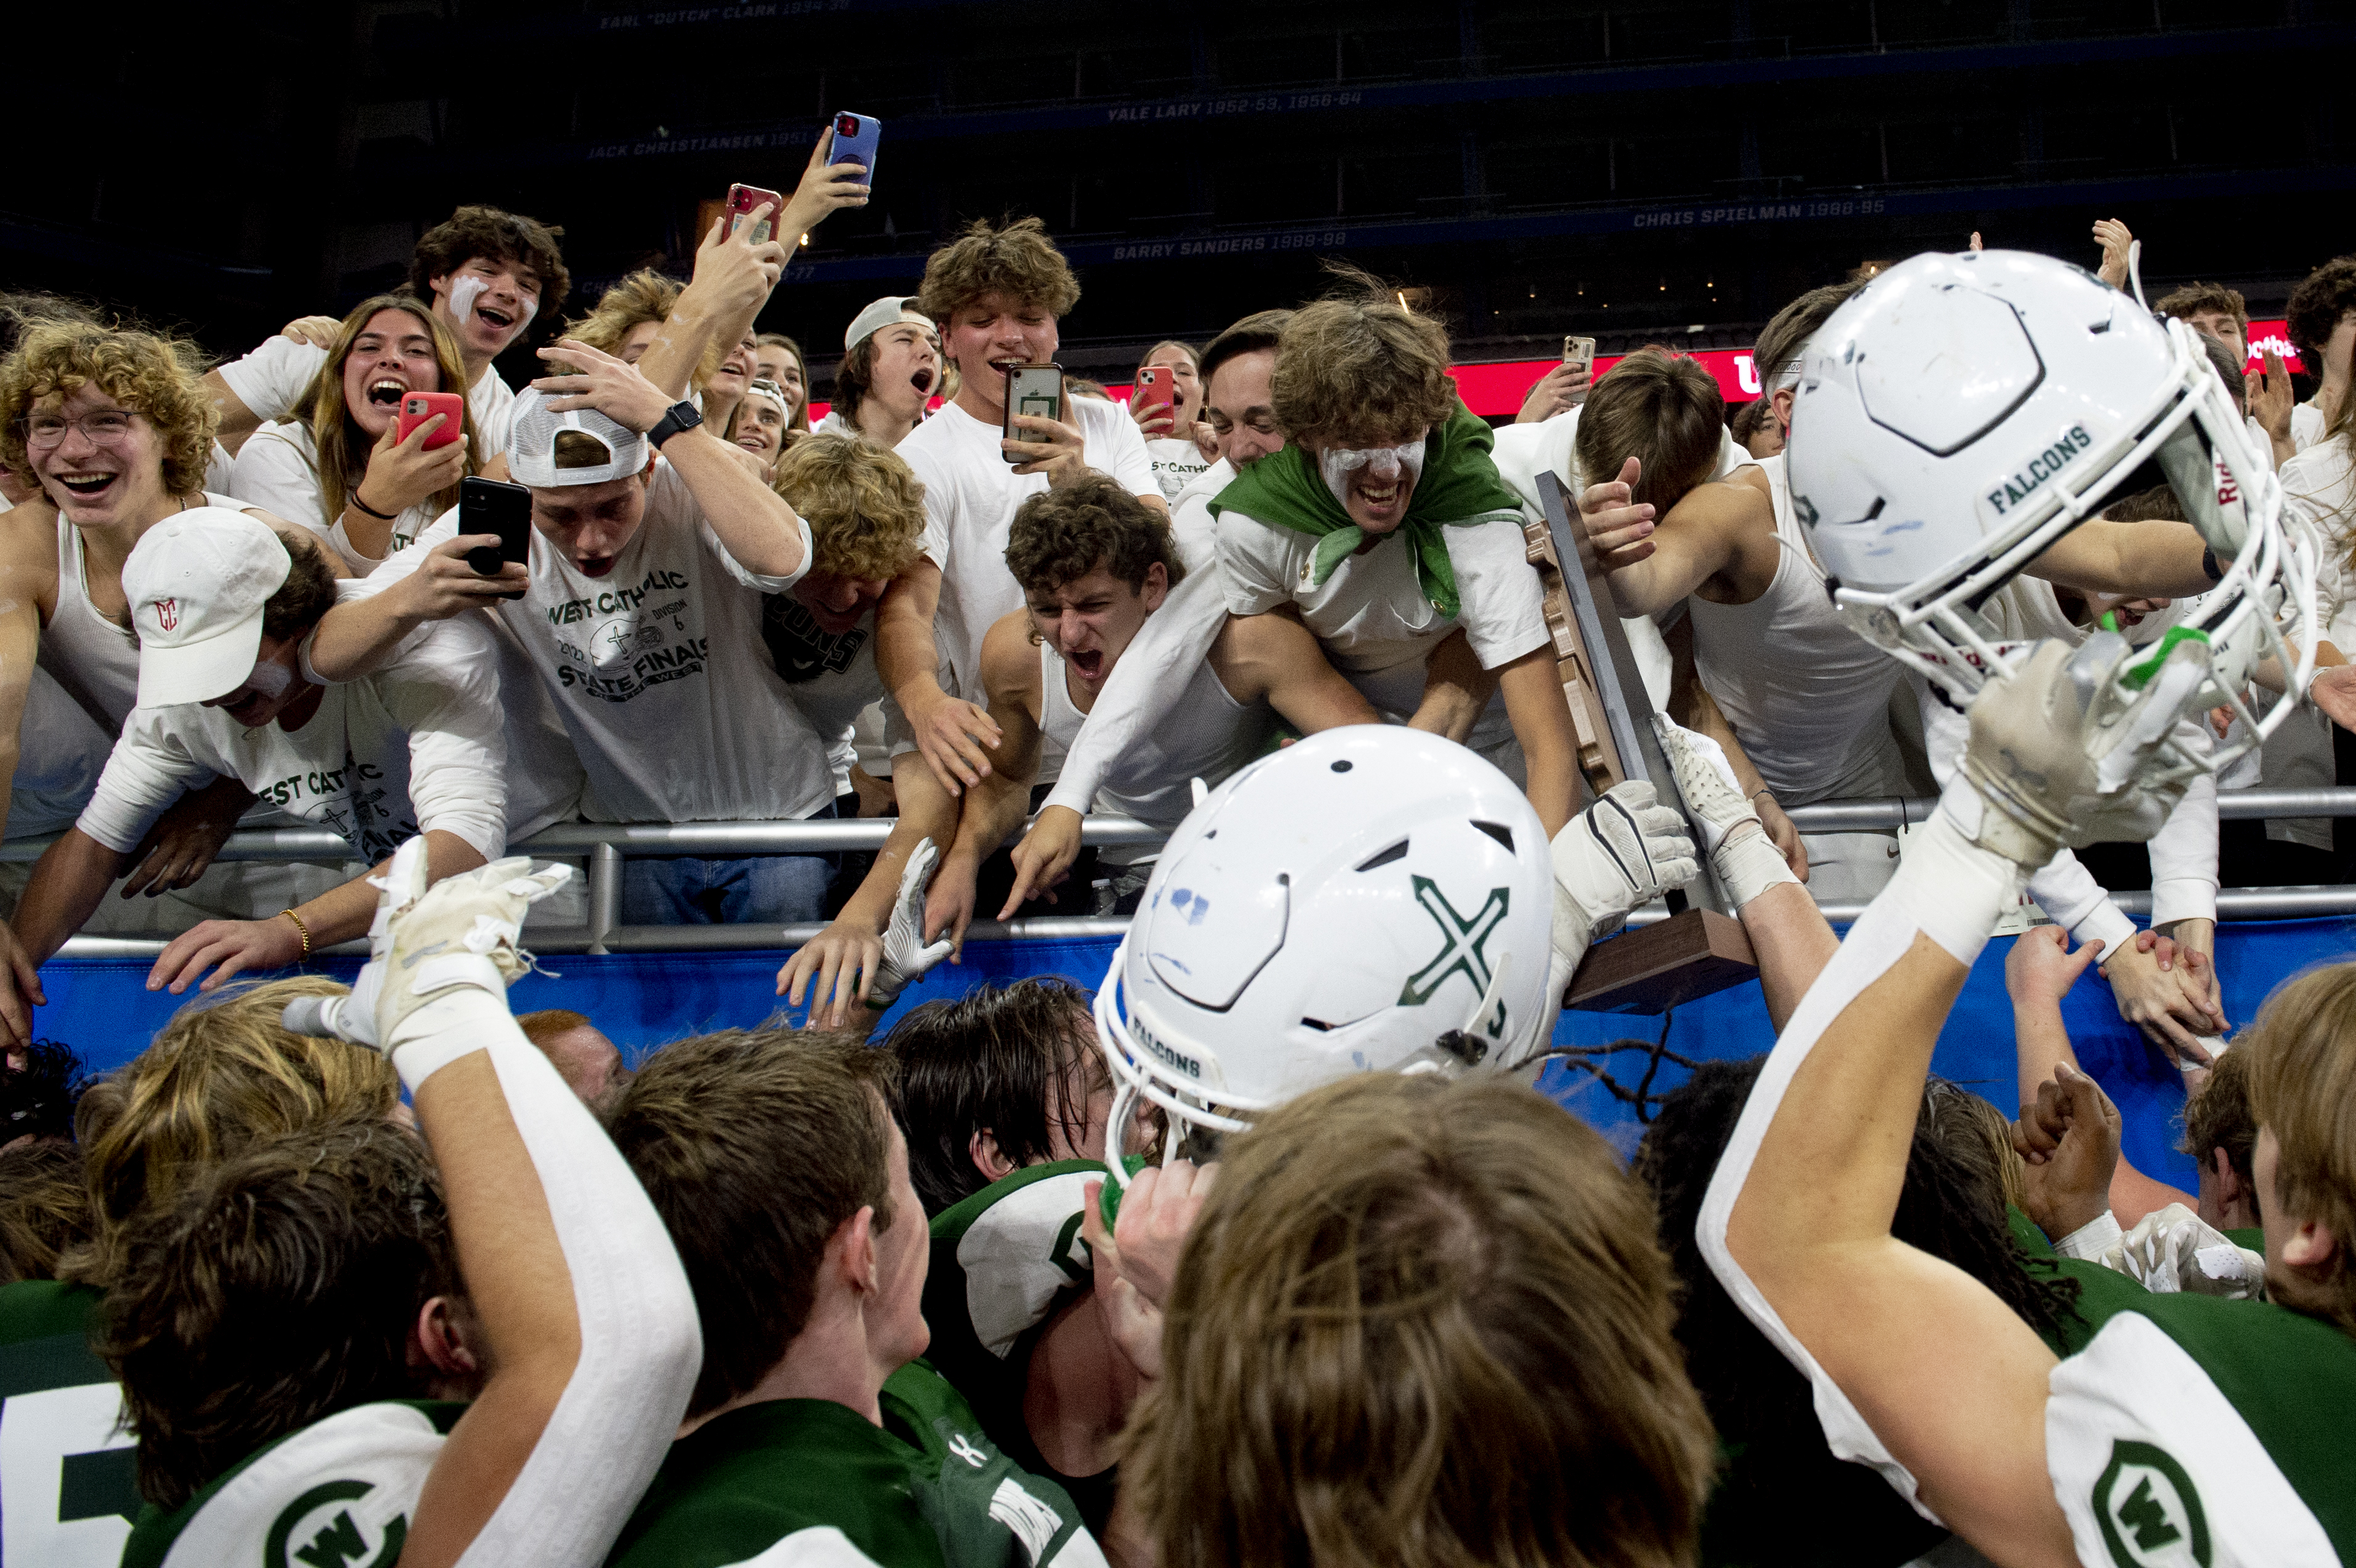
pixel 882 312
pixel 531 444
pixel 198 582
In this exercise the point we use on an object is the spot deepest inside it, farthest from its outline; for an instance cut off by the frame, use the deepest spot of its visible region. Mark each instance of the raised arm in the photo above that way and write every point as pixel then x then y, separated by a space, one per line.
pixel 586 1310
pixel 1651 564
pixel 1919 1369
pixel 2155 559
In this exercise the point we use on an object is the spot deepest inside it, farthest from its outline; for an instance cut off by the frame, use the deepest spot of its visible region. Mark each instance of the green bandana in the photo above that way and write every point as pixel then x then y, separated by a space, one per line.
pixel 1459 486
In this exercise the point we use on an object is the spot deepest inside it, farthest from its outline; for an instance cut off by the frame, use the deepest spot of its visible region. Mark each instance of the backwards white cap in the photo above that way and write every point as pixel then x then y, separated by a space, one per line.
pixel 878 315
pixel 198 582
pixel 531 444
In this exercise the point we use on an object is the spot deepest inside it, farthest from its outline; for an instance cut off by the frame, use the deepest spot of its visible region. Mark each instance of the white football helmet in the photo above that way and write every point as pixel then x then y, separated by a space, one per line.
pixel 1961 414
pixel 1370 898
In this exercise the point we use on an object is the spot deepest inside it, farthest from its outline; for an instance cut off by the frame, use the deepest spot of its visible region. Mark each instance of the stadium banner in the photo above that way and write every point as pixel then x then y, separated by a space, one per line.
pixel 102 1009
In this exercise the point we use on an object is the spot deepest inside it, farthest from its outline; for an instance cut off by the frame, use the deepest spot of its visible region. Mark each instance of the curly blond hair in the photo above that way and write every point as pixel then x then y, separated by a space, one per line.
pixel 159 375
pixel 1016 259
pixel 864 507
pixel 1360 369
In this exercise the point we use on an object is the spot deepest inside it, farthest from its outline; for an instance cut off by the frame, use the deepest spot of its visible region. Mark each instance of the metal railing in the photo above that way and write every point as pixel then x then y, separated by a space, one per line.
pixel 605 846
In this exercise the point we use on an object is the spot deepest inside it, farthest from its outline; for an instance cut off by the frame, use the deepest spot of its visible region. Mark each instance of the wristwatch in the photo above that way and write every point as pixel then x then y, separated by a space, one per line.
pixel 680 416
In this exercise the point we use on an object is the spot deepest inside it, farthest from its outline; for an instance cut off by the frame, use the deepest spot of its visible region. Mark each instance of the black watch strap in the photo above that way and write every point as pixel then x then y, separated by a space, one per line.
pixel 680 416
pixel 2208 567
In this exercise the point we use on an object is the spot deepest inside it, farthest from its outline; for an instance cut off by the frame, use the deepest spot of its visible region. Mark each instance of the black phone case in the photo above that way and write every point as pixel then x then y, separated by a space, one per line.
pixel 491 507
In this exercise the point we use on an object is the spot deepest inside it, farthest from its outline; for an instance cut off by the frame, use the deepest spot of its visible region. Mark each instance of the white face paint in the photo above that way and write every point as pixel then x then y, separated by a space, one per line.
pixel 270 679
pixel 1383 463
pixel 464 289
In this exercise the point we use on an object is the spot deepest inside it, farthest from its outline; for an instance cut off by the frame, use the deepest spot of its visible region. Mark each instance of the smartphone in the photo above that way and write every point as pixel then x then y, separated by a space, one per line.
pixel 492 507
pixel 1158 384
pixel 1031 389
pixel 1581 351
pixel 416 407
pixel 854 142
pixel 744 201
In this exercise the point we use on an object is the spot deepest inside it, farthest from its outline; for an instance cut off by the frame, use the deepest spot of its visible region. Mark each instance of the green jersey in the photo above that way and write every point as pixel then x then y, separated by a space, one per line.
pixel 338 1494
pixel 2195 1429
pixel 1005 1261
pixel 794 1483
pixel 69 1488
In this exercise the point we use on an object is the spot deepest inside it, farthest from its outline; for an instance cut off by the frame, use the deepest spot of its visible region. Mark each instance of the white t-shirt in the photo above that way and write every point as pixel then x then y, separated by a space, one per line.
pixel 1193 528
pixel 412 748
pixel 1371 613
pixel 2306 426
pixel 278 470
pixel 2319 490
pixel 270 381
pixel 658 672
pixel 1176 463
pixel 971 493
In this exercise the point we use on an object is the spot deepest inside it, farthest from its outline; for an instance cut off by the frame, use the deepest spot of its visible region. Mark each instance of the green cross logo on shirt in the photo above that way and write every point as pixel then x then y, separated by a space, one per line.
pixel 2149 1510
pixel 1461 942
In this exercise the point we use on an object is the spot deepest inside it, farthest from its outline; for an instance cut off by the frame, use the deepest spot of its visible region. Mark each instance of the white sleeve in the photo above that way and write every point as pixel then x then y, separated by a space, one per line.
pixel 941 494
pixel 1153 670
pixel 1248 554
pixel 671 502
pixel 448 697
pixel 149 768
pixel 1122 445
pixel 640 1346
pixel 2184 857
pixel 2064 889
pixel 1500 603
pixel 271 380
pixel 272 473
pixel 1945 889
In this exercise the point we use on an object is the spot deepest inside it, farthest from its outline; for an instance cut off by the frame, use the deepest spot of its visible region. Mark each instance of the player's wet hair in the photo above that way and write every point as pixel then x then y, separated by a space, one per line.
pixel 755 1146
pixel 1952 1206
pixel 1017 1062
pixel 274 1291
pixel 1662 409
pixel 1422 1323
pixel 2217 1116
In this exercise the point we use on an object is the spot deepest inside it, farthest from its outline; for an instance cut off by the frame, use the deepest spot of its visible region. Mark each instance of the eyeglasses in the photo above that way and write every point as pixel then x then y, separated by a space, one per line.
pixel 106 427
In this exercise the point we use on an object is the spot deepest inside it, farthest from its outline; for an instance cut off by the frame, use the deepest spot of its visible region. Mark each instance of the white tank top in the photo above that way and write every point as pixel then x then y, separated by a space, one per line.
pixel 1206 734
pixel 1808 698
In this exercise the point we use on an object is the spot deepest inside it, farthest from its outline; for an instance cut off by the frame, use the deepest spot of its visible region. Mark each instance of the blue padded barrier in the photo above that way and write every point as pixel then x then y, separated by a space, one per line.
pixel 101 1008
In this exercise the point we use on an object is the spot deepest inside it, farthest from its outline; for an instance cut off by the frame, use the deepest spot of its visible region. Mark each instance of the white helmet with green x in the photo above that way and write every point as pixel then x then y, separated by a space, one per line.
pixel 1372 899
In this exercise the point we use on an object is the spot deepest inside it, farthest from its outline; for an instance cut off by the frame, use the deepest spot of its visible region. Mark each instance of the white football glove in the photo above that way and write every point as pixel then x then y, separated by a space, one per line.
pixel 906 959
pixel 2173 1250
pixel 1617 855
pixel 462 931
pixel 2056 758
pixel 1747 863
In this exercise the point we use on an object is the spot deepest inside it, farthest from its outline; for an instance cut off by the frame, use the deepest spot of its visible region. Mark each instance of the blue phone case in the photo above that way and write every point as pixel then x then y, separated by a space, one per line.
pixel 855 136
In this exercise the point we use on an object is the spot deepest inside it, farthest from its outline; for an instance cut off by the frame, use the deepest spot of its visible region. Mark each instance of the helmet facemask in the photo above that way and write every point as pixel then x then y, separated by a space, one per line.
pixel 2192 434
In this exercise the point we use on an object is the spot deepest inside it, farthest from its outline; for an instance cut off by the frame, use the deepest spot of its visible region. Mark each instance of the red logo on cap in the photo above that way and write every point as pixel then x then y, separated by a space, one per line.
pixel 167 613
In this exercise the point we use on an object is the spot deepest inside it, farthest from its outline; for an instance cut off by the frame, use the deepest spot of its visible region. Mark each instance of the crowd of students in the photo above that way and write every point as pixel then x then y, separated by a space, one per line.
pixel 1263 1249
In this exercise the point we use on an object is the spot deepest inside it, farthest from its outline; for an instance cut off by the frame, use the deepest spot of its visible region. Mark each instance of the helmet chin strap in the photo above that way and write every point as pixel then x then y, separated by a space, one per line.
pixel 1467 1043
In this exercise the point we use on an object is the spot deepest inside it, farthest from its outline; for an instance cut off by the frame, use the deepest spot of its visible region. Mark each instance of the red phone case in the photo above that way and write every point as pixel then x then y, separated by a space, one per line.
pixel 416 407
pixel 1156 384
pixel 741 202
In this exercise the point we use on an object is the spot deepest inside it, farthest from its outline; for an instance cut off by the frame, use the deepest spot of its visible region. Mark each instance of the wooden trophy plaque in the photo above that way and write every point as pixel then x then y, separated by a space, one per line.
pixel 1700 948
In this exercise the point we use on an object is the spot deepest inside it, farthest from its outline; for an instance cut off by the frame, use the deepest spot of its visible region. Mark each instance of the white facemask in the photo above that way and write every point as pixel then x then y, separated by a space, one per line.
pixel 1381 463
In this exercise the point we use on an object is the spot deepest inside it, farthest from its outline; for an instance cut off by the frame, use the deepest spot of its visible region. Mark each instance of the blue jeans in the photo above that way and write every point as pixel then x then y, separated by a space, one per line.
pixel 683 890
pixel 680 889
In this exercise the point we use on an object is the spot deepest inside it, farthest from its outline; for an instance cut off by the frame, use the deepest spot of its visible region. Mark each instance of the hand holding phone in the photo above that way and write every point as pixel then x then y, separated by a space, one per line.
pixel 1036 391
pixel 744 201
pixel 491 507
pixel 1580 351
pixel 1156 398
pixel 416 407
pixel 855 136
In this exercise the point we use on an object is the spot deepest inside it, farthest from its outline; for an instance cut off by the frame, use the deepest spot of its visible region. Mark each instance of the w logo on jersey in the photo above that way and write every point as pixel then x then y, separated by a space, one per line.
pixel 1461 940
pixel 318 1530
pixel 2149 1509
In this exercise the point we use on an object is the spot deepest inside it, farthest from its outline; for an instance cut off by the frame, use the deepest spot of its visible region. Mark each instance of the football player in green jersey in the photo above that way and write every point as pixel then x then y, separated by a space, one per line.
pixel 815 1435
pixel 277 1303
pixel 220 1077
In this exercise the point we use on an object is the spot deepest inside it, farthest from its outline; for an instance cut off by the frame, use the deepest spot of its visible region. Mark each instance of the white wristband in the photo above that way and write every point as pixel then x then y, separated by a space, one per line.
pixel 2091 1239
pixel 1952 889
